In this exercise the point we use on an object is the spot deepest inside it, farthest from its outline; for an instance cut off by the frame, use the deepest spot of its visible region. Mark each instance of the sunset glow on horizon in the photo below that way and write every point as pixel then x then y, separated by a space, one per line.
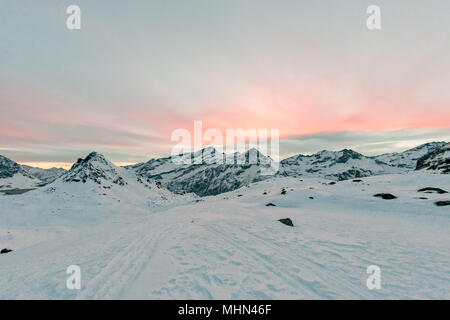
pixel 134 74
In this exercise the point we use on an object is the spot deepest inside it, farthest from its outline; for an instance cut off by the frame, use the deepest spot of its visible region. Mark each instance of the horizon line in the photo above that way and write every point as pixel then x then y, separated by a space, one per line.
pixel 68 165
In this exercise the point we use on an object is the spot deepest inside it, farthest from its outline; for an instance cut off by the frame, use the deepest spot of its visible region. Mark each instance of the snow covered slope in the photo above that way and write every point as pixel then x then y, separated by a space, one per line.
pixel 437 161
pixel 102 178
pixel 408 159
pixel 229 246
pixel 335 165
pixel 16 176
pixel 13 176
pixel 90 192
pixel 207 172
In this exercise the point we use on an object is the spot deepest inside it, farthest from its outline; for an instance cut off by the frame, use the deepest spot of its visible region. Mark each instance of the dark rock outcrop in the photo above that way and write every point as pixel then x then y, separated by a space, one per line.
pixel 385 196
pixel 287 222
pixel 432 190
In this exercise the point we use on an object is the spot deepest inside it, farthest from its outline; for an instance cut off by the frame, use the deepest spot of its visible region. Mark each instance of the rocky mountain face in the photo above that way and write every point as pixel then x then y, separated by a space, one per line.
pixel 206 172
pixel 436 161
pixel 408 159
pixel 8 168
pixel 335 165
pixel 14 175
pixel 95 168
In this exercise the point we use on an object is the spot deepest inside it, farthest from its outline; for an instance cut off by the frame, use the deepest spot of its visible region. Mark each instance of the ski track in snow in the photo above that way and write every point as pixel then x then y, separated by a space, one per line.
pixel 122 269
pixel 233 247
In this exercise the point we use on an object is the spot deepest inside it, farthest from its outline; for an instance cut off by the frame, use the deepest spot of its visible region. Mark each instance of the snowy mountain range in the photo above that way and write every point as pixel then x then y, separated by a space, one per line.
pixel 335 165
pixel 135 239
pixel 437 160
pixel 408 159
pixel 95 179
pixel 348 164
pixel 14 175
pixel 209 172
pixel 45 175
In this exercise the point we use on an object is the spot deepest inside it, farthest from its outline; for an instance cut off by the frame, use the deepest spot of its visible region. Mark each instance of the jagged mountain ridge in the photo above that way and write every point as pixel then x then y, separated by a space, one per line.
pixel 206 172
pixel 14 175
pixel 209 172
pixel 96 179
pixel 335 165
pixel 9 168
pixel 437 161
pixel 45 175
pixel 408 159
pixel 95 168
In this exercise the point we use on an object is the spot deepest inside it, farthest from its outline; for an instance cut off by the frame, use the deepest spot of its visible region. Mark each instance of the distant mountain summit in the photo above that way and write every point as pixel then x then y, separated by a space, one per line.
pixel 207 171
pixel 335 165
pixel 437 161
pixel 408 159
pixel 16 176
pixel 95 179
pixel 93 190
pixel 45 175
pixel 9 168
pixel 13 175
pixel 95 168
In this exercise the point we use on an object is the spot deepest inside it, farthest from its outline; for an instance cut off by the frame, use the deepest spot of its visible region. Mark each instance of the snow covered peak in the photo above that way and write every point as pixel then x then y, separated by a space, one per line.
pixel 437 161
pixel 207 171
pixel 253 152
pixel 8 168
pixel 94 167
pixel 250 157
pixel 93 157
pixel 408 158
pixel 14 176
pixel 336 165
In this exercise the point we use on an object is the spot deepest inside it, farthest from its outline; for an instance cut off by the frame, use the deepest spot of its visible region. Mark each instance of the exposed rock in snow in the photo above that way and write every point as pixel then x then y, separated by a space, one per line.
pixel 385 196
pixel 5 250
pixel 287 221
pixel 432 190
